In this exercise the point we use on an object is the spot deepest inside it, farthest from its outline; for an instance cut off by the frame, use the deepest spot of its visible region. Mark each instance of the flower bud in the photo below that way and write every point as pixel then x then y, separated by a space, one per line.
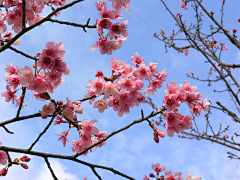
pixel 45 96
pixel 152 125
pixel 24 166
pixel 151 175
pixel 25 159
pixel 225 136
pixel 16 160
pixel 159 133
pixel 156 139
pixel 100 73
pixel 3 172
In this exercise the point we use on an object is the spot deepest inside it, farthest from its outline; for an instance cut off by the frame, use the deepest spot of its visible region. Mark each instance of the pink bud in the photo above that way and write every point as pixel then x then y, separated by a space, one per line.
pixel 24 166
pixel 234 30
pixel 156 139
pixel 45 96
pixel 25 159
pixel 191 72
pixel 151 175
pixel 225 136
pixel 159 133
pixel 3 172
pixel 100 73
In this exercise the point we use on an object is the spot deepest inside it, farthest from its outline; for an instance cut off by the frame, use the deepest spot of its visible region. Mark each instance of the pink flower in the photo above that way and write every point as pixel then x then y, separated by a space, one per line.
pixel 173 119
pixel 171 101
pixel 103 23
pixel 85 140
pixel 104 13
pixel 111 89
pixel 191 72
pixel 77 146
pixel 89 94
pixel 3 158
pixel 100 5
pixel 45 61
pixel 97 86
pixel 196 109
pixel 190 177
pixel 116 65
pixel 127 83
pixel 9 95
pixel 185 122
pixel 187 86
pixel 124 4
pixel 104 46
pixel 54 50
pixel 63 137
pixel 77 108
pixel 158 168
pixel 101 105
pixel 153 68
pixel 88 127
pixel 13 81
pixel 162 75
pixel 146 178
pixel 136 59
pixel 115 29
pixel 172 88
pixel 11 70
pixel 26 76
pixel 170 176
pixel 48 109
pixel 101 136
pixel 68 113
pixel 143 72
pixel 204 104
pixel 59 120
pixel 3 27
pixel 18 100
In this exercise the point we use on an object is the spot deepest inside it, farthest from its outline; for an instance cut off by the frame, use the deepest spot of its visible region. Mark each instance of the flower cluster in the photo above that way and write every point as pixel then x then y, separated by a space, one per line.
pixel 183 4
pixel 46 81
pixel 130 81
pixel 114 30
pixel 173 98
pixel 168 174
pixel 89 134
pixel 17 161
pixel 14 13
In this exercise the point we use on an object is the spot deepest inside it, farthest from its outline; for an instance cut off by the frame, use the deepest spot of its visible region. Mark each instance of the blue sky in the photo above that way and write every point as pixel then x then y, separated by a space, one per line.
pixel 134 150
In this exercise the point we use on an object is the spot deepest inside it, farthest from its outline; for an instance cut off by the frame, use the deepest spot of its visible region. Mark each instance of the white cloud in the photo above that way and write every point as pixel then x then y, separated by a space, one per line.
pixel 59 169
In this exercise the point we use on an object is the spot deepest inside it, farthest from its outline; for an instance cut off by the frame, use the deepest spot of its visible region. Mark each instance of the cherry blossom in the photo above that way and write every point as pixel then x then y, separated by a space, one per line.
pixel 136 59
pixel 158 168
pixel 101 105
pixel 63 137
pixel 3 158
pixel 47 109
pixel 9 95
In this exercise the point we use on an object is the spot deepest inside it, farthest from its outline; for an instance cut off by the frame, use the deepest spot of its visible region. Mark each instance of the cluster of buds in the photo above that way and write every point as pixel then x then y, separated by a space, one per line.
pixel 17 161
pixel 234 32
